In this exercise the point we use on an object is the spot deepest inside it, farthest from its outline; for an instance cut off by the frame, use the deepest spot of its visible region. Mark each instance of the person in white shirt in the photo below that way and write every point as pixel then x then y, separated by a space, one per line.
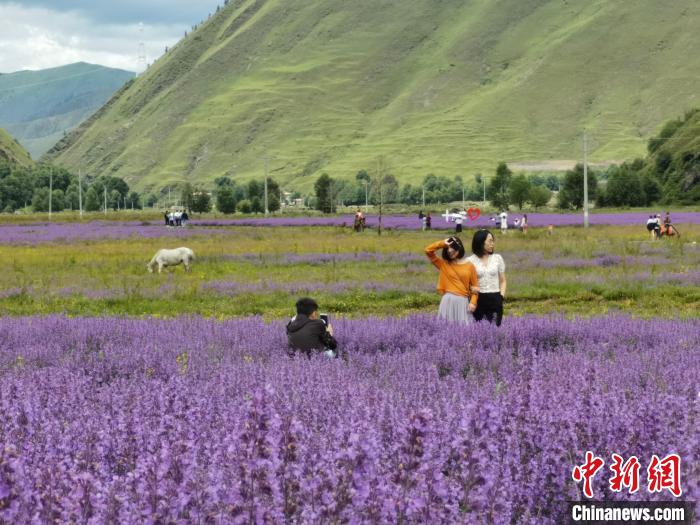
pixel 504 221
pixel 491 274
pixel 458 224
pixel 651 226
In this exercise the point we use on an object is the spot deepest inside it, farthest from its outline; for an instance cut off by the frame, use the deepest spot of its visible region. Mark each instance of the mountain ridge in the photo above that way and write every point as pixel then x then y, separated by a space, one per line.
pixel 435 87
pixel 38 107
pixel 12 152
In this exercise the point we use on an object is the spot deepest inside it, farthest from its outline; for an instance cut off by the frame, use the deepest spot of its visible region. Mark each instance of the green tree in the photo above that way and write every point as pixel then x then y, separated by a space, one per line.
pixel 255 189
pixel 322 189
pixel 651 189
pixel 624 187
pixel 552 182
pixel 187 197
pixel 226 200
pixel 114 200
pixel 410 195
pixel 151 200
pixel 58 202
pixel 498 188
pixel 273 188
pixel 224 182
pixel 40 199
pixel 539 196
pixel 244 206
pixel 133 200
pixel 362 175
pixel 571 193
pixel 273 202
pixel 92 201
pixel 256 205
pixel 201 201
pixel 390 188
pixel 16 190
pixel 519 190
pixel 72 201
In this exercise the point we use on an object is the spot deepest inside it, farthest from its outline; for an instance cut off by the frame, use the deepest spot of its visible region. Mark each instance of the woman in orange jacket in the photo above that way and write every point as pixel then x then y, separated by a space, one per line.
pixel 457 282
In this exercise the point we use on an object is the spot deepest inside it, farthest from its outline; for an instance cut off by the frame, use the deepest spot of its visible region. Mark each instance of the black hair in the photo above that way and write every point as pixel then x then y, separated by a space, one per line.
pixel 457 245
pixel 478 242
pixel 306 306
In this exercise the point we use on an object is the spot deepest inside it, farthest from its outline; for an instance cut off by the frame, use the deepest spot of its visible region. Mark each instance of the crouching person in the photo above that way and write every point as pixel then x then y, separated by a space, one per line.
pixel 307 332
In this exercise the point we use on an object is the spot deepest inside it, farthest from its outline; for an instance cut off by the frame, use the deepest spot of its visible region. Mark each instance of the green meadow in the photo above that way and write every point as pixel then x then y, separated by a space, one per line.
pixel 243 271
pixel 449 88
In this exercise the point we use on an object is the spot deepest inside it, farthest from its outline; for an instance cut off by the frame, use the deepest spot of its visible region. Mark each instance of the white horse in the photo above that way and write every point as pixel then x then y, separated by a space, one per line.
pixel 164 258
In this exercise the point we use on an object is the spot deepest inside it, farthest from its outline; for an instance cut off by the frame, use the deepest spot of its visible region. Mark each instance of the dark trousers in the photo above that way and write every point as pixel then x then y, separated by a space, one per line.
pixel 489 306
pixel 458 228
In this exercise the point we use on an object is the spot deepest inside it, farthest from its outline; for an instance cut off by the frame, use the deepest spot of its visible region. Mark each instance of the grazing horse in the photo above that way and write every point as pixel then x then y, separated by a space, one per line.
pixel 164 258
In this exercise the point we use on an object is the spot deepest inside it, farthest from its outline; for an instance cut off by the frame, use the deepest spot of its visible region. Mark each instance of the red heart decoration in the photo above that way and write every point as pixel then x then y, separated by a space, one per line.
pixel 473 213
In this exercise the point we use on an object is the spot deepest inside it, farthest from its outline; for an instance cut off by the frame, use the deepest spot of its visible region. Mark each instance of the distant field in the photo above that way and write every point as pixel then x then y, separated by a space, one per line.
pixel 241 271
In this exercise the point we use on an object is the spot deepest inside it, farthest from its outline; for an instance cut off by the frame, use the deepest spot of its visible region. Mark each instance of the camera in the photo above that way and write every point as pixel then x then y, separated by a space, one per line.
pixel 324 318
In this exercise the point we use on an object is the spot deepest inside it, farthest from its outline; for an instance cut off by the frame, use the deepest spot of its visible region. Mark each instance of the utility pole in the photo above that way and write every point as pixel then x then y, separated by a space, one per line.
pixel 585 179
pixel 80 195
pixel 105 188
pixel 366 182
pixel 266 208
pixel 50 191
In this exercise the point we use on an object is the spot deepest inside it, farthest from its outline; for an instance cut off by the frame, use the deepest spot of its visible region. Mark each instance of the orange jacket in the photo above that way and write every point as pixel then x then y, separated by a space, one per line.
pixel 454 277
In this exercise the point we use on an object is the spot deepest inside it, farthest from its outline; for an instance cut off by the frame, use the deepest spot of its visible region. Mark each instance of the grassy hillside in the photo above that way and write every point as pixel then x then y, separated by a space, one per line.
pixel 674 157
pixel 447 87
pixel 38 107
pixel 11 152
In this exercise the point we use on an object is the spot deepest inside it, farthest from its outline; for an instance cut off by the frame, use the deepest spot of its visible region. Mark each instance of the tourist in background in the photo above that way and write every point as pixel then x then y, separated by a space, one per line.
pixel 504 221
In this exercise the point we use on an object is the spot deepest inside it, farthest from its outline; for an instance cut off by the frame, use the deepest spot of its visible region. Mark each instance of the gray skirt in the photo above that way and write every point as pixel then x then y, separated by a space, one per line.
pixel 454 308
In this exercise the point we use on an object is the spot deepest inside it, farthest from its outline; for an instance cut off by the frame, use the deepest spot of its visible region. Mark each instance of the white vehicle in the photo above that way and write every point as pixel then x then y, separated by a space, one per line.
pixel 451 217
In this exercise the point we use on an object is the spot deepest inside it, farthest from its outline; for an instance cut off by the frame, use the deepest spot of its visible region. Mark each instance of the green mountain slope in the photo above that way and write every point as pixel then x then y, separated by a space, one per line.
pixel 11 152
pixel 674 157
pixel 435 86
pixel 38 107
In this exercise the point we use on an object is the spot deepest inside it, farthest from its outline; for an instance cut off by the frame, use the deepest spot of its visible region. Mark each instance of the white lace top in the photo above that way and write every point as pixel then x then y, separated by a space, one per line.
pixel 488 274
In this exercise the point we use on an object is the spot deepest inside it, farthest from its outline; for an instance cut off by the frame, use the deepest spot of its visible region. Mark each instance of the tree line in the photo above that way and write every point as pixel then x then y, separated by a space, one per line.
pixel 669 174
pixel 502 190
pixel 35 186
pixel 231 196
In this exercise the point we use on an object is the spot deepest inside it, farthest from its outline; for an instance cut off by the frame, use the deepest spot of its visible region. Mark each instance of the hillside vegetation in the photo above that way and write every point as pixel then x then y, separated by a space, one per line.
pixel 674 156
pixel 38 107
pixel 11 153
pixel 445 87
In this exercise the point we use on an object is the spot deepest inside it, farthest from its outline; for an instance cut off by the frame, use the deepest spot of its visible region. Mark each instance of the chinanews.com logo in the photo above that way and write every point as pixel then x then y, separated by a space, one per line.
pixel 662 475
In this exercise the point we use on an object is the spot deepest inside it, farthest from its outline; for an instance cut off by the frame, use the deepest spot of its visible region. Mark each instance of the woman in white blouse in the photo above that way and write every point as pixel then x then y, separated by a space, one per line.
pixel 491 273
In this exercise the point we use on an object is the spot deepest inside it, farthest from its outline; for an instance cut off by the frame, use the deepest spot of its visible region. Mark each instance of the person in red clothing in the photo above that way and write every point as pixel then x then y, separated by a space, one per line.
pixel 457 282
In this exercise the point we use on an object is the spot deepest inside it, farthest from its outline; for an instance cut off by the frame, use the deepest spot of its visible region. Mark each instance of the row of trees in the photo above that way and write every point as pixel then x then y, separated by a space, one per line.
pixel 630 184
pixel 502 190
pixel 231 196
pixel 44 184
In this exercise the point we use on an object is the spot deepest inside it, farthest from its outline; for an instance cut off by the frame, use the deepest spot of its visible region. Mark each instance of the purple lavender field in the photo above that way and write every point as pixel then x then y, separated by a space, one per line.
pixel 118 420
pixel 411 222
pixel 45 232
